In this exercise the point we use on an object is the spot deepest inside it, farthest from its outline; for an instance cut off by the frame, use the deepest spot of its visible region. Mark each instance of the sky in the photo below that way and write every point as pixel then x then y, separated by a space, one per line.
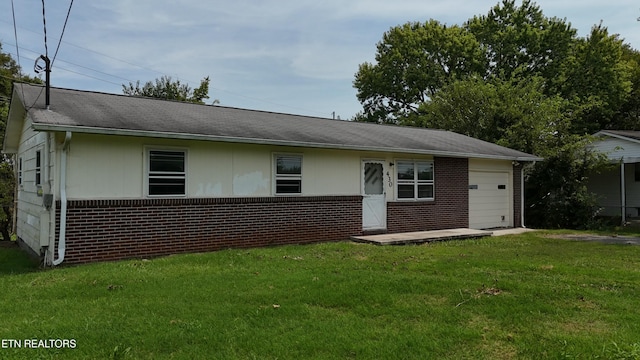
pixel 290 56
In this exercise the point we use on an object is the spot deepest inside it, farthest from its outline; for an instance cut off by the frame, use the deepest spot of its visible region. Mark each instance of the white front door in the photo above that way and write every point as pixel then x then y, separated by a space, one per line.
pixel 374 207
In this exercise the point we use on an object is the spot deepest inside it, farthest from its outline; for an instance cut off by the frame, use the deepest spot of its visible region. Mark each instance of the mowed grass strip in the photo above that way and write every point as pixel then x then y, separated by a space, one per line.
pixel 512 297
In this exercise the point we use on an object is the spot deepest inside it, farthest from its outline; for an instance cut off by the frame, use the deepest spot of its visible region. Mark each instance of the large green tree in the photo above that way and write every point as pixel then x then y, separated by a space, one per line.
pixel 521 80
pixel 513 113
pixel 596 78
pixel 413 62
pixel 167 88
pixel 520 39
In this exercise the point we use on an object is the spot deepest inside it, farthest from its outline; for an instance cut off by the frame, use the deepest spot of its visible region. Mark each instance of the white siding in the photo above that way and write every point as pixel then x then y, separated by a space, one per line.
pixel 616 148
pixel 114 167
pixel 606 185
pixel 30 203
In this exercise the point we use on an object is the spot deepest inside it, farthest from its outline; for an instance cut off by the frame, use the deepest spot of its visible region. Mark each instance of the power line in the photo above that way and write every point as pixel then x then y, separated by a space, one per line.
pixel 84 67
pixel 156 71
pixel 62 34
pixel 44 25
pixel 15 34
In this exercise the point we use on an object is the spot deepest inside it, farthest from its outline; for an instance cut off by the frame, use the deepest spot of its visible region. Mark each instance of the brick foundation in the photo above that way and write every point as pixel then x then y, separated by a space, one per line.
pixel 100 230
pixel 448 210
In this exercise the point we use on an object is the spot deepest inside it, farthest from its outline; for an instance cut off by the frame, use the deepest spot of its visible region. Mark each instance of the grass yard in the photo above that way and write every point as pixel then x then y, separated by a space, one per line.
pixel 512 297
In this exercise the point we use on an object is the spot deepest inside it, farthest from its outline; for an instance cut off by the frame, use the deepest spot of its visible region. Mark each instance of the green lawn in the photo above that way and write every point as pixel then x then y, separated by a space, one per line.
pixel 511 297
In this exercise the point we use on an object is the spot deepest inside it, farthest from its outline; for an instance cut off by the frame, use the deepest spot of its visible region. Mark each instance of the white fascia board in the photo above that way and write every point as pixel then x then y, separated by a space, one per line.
pixel 606 133
pixel 233 139
pixel 15 121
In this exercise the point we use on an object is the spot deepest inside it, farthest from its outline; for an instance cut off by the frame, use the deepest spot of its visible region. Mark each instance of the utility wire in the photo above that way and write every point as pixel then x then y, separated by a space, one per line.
pixel 15 34
pixel 15 31
pixel 145 68
pixel 62 34
pixel 44 24
pixel 83 67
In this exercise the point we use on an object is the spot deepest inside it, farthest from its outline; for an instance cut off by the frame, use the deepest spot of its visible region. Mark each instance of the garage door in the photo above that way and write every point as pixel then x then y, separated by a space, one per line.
pixel 489 200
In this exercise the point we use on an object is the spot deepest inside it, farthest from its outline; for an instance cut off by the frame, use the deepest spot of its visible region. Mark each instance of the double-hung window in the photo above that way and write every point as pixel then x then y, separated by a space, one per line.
pixel 38 168
pixel 288 174
pixel 414 180
pixel 20 171
pixel 166 173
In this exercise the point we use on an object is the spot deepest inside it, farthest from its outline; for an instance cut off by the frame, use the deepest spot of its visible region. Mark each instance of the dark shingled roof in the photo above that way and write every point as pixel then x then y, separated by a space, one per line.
pixel 93 112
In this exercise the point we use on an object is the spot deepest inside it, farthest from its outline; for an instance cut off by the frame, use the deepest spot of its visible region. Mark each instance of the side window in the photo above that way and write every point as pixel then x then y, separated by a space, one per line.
pixel 20 171
pixel 414 180
pixel 38 167
pixel 288 174
pixel 166 173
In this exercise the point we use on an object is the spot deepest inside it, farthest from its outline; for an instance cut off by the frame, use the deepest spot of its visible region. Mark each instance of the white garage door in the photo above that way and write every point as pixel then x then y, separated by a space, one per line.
pixel 489 200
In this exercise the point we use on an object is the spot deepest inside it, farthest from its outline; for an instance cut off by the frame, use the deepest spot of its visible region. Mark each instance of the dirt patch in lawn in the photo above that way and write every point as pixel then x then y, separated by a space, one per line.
pixel 616 240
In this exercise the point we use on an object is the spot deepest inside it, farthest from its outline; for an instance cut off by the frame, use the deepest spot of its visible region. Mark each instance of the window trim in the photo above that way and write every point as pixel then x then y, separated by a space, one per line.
pixel 20 171
pixel 38 168
pixel 147 170
pixel 277 177
pixel 415 182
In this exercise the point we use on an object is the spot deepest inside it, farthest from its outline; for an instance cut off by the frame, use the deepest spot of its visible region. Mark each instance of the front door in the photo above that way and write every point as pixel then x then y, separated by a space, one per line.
pixel 374 209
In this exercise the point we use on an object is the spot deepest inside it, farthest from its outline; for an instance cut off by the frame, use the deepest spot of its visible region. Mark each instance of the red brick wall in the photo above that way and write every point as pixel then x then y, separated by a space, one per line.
pixel 99 230
pixel 449 209
pixel 517 200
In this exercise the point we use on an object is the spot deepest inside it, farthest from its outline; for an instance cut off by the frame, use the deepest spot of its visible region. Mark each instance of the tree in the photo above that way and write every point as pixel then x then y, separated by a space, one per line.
pixel 9 72
pixel 516 78
pixel 165 88
pixel 596 78
pixel 512 113
pixel 628 116
pixel 556 191
pixel 413 61
pixel 521 39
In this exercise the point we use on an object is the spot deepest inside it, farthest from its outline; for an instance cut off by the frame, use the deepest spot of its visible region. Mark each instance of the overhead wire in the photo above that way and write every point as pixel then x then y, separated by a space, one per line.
pixel 81 66
pixel 62 34
pixel 15 34
pixel 132 64
pixel 44 25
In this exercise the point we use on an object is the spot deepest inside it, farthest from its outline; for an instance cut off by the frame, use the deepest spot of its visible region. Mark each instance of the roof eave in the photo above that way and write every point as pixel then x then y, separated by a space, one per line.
pixel 617 136
pixel 233 139
pixel 15 121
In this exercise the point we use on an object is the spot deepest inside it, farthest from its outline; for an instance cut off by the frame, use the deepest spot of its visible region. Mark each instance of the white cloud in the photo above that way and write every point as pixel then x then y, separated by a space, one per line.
pixel 266 54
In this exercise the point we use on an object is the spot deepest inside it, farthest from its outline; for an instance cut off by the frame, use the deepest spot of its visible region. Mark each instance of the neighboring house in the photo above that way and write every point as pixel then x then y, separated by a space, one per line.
pixel 618 189
pixel 104 177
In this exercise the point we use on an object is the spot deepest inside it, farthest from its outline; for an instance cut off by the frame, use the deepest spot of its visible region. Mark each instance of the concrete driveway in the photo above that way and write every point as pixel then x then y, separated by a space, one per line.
pixel 616 240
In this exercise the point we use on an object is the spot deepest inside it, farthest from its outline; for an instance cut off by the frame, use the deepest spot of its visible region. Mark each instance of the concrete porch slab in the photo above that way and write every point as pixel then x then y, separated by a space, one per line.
pixel 419 237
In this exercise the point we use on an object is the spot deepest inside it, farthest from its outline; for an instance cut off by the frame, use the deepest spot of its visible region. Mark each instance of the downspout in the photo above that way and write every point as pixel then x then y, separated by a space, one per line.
pixel 623 195
pixel 63 200
pixel 14 221
pixel 522 197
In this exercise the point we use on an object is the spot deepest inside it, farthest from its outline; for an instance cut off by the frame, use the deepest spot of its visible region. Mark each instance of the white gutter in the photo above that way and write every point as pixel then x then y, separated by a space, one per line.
pixel 63 200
